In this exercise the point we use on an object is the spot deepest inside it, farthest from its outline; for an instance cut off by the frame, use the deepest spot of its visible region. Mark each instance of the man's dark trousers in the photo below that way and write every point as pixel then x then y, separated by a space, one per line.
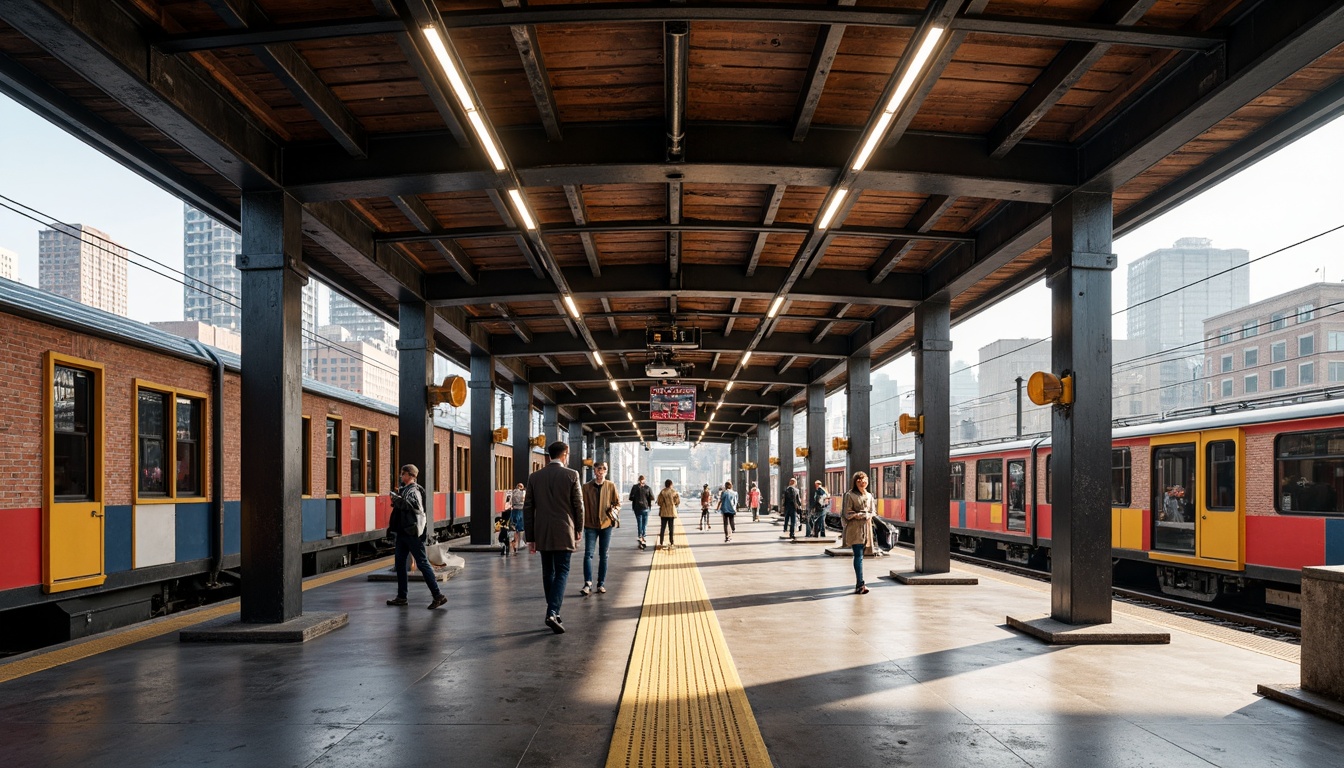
pixel 554 575
pixel 414 546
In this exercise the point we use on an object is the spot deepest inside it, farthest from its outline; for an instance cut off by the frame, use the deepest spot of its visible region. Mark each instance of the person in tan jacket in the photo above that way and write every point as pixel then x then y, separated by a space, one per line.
pixel 857 511
pixel 668 501
pixel 601 507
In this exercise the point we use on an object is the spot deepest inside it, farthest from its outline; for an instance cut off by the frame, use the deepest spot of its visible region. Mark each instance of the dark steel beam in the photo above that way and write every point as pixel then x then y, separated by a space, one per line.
pixel 767 219
pixel 673 235
pixel 1063 72
pixel 833 286
pixel 580 212
pixel 423 220
pixel 693 225
pixel 654 314
pixel 579 374
pixel 632 153
pixel 938 13
pixel 633 342
pixel 273 34
pixel 733 313
pixel 1110 34
pixel 928 215
pixel 534 65
pixel 933 347
pixel 818 69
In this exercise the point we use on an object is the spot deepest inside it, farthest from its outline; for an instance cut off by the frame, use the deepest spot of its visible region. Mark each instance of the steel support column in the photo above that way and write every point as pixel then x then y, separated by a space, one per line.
pixel 816 436
pixel 599 450
pixel 415 372
pixel 929 491
pixel 785 447
pixel 749 456
pixel 589 446
pixel 1080 286
pixel 858 401
pixel 271 407
pixel 763 463
pixel 482 505
pixel 576 448
pixel 550 424
pixel 522 431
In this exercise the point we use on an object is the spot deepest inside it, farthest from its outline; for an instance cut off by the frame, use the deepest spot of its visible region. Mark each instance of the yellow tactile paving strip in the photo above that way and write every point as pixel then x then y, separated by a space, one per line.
pixel 40 661
pixel 683 705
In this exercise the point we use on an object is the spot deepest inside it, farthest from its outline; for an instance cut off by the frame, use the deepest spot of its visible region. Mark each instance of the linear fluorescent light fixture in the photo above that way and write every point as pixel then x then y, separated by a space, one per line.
pixel 612 382
pixel 747 357
pixel 898 97
pixel 727 388
pixel 836 200
pixel 520 205
pixel 463 94
pixel 597 357
pixel 774 307
pixel 569 304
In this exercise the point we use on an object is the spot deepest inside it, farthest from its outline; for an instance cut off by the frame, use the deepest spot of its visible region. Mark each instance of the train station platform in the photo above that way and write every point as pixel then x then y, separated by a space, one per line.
pixel 749 653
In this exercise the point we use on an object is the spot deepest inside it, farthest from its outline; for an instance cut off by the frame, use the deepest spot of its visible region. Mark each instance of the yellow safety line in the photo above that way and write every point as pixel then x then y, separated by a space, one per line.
pixel 683 704
pixel 110 641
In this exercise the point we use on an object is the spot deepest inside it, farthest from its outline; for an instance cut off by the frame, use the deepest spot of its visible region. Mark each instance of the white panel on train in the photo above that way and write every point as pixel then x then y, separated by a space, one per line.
pixel 155 534
pixel 369 522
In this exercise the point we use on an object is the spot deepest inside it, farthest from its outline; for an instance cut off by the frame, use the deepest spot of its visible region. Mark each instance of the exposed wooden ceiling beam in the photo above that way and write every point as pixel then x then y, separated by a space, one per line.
pixel 818 69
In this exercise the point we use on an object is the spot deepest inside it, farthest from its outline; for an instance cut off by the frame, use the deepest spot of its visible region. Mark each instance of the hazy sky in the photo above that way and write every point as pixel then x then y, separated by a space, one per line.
pixel 1288 197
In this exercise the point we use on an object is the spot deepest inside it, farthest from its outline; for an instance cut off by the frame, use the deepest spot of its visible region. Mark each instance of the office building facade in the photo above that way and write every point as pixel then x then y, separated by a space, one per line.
pixel 83 264
pixel 9 264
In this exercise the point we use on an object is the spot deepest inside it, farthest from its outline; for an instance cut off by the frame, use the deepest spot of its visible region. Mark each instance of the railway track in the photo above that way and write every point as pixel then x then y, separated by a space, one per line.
pixel 1287 630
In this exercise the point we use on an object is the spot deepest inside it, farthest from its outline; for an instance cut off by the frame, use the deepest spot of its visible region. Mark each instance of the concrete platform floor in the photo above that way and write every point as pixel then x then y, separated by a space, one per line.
pixel 920 676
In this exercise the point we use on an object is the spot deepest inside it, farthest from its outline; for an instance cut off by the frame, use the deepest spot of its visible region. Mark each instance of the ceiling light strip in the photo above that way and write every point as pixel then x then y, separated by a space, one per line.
pixel 898 97
pixel 463 94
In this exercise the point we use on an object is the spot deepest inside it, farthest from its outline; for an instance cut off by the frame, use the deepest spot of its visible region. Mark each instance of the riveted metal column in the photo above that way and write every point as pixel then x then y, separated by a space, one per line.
pixel 576 447
pixel 1080 287
pixel 482 507
pixel 816 436
pixel 742 475
pixel 763 463
pixel 415 372
pixel 522 431
pixel 599 450
pixel 550 424
pixel 930 492
pixel 271 408
pixel 785 448
pixel 749 456
pixel 858 401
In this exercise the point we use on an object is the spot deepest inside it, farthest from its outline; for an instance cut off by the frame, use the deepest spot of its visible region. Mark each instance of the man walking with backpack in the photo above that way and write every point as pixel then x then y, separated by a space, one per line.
pixel 407 526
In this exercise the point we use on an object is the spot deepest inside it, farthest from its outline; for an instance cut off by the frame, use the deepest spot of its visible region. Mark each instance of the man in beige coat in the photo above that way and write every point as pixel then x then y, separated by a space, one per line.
pixel 601 503
pixel 552 523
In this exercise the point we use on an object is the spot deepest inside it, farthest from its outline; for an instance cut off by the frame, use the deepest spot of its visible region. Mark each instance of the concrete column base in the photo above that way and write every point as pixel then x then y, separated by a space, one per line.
pixel 1322 688
pixel 454 566
pixel 1296 696
pixel 916 579
pixel 492 548
pixel 814 540
pixel 1054 632
pixel 300 629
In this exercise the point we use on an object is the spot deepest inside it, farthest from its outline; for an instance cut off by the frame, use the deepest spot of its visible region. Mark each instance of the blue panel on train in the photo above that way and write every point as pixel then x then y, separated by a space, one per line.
pixel 314 519
pixel 233 527
pixel 961 514
pixel 193 531
pixel 1334 542
pixel 117 539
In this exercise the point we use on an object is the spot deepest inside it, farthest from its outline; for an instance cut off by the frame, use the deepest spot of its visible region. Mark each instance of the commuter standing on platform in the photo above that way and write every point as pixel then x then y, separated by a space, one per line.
pixel 668 501
pixel 407 524
pixel 553 519
pixel 728 508
pixel 792 504
pixel 515 501
pixel 705 500
pixel 641 498
pixel 816 522
pixel 601 503
pixel 857 513
pixel 754 502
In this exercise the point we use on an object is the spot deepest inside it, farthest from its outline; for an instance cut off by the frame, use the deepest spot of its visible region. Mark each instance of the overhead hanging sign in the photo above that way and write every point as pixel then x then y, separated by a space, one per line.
pixel 672 403
pixel 671 432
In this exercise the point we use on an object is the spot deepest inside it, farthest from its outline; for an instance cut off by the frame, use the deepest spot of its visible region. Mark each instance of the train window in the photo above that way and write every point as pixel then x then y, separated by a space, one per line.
pixel 356 460
pixel 333 458
pixel 989 480
pixel 910 483
pixel 835 483
pixel 371 462
pixel 437 469
pixel 1222 475
pixel 394 468
pixel 957 477
pixel 503 473
pixel 874 487
pixel 152 443
pixel 1049 476
pixel 463 457
pixel 1309 472
pixel 306 449
pixel 188 459
pixel 1173 508
pixel 1120 477
pixel 891 482
pixel 72 427
pixel 1017 495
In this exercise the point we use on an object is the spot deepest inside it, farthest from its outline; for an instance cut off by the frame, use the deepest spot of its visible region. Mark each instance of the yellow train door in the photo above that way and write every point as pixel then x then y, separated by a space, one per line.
pixel 1198 498
pixel 1222 498
pixel 72 523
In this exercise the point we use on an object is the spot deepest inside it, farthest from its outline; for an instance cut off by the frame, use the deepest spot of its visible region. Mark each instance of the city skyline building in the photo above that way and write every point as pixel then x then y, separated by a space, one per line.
pixel 214 285
pixel 1282 346
pixel 994 412
pixel 83 264
pixel 341 360
pixel 1172 291
pixel 360 322
pixel 220 338
pixel 9 264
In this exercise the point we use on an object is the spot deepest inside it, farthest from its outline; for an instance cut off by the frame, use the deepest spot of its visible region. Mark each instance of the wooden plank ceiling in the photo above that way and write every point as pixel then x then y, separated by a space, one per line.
pixel 677 158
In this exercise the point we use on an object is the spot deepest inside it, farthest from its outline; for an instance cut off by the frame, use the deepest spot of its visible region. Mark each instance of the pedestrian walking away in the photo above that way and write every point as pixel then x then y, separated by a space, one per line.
pixel 668 501
pixel 816 522
pixel 728 508
pixel 553 524
pixel 601 515
pixel 754 502
pixel 407 526
pixel 792 504
pixel 514 501
pixel 705 500
pixel 641 498
pixel 857 511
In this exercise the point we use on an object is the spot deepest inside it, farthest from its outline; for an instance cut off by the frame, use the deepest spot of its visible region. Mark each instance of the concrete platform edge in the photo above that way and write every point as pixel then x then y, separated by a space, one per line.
pixel 1295 696
pixel 1054 632
pixel 229 629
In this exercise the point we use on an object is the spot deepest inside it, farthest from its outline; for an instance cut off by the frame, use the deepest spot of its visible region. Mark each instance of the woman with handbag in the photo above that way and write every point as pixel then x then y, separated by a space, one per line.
pixel 668 501
pixel 857 511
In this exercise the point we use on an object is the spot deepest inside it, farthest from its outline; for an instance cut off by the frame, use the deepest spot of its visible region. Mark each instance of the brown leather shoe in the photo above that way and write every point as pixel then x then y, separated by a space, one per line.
pixel 397 601
pixel 438 600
